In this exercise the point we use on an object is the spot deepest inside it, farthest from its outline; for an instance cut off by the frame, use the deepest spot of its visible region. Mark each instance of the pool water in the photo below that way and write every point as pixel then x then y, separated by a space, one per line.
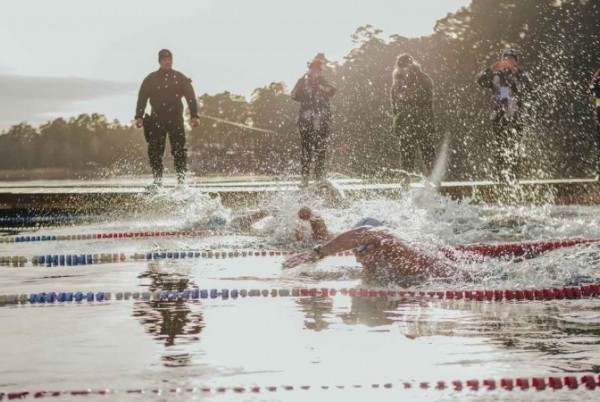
pixel 302 341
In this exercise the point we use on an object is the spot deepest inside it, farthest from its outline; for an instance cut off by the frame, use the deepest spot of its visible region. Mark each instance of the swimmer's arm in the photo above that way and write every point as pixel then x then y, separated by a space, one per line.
pixel 319 228
pixel 343 242
pixel 346 241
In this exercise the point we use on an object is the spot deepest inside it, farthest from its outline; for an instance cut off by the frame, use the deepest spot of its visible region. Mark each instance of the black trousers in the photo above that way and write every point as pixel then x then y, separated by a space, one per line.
pixel 314 142
pixel 416 134
pixel 156 136
pixel 409 148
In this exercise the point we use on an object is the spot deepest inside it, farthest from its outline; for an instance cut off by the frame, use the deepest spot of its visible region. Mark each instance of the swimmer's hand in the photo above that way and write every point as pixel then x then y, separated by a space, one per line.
pixel 299 259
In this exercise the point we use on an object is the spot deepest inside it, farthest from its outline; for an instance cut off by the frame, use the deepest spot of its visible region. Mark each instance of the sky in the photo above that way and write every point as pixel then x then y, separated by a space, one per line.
pixel 65 57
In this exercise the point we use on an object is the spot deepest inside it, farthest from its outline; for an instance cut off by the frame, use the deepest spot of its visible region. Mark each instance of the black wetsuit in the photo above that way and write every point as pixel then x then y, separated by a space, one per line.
pixel 164 89
pixel 412 104
pixel 313 122
pixel 508 86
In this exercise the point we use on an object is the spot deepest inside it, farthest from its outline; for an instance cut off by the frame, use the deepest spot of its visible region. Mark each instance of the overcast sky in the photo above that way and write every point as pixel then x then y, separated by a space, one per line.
pixel 64 57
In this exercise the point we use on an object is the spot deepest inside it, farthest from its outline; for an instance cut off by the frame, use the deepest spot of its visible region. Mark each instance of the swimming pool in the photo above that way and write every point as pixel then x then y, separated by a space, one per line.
pixel 340 346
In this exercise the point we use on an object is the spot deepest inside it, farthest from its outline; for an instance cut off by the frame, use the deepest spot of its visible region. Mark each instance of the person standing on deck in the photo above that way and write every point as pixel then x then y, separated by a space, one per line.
pixel 595 95
pixel 314 93
pixel 165 88
pixel 412 105
pixel 509 83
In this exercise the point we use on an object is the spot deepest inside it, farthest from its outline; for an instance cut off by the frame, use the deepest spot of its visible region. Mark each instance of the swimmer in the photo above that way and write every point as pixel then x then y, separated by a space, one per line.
pixel 376 249
pixel 242 223
pixel 317 225
pixel 245 222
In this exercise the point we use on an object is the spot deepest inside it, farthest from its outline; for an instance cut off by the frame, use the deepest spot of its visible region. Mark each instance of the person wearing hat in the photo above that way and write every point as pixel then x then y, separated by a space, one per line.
pixel 412 105
pixel 381 252
pixel 509 83
pixel 314 93
pixel 165 88
pixel 595 96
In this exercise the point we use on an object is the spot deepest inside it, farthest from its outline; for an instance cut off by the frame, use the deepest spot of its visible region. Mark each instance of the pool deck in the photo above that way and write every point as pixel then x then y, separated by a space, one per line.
pixel 98 195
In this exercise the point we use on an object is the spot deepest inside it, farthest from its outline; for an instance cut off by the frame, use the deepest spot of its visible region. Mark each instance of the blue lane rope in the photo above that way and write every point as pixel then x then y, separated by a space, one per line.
pixel 114 235
pixel 56 260
pixel 158 295
pixel 19 220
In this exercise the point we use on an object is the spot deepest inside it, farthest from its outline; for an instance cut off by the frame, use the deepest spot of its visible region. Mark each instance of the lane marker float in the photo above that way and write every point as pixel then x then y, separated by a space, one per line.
pixel 460 253
pixel 570 382
pixel 499 295
pixel 115 235
pixel 528 248
pixel 20 220
pixel 55 260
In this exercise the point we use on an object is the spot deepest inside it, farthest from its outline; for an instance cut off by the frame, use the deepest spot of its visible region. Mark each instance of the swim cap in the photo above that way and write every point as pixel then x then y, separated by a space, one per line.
pixel 366 222
pixel 217 220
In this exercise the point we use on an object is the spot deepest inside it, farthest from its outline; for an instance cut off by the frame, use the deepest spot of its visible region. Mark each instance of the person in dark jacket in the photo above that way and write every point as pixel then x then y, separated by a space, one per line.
pixel 595 96
pixel 314 93
pixel 508 83
pixel 165 88
pixel 412 105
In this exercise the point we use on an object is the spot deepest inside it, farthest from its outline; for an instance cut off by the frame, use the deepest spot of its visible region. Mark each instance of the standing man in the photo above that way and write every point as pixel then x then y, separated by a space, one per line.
pixel 314 93
pixel 165 88
pixel 412 105
pixel 508 83
pixel 595 95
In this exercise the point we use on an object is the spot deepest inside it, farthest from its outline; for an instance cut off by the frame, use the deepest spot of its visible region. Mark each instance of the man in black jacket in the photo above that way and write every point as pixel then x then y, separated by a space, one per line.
pixel 313 92
pixel 165 88
pixel 509 83
pixel 412 104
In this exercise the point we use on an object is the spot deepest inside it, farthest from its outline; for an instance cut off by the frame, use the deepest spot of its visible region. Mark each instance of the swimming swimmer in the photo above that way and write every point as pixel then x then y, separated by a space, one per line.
pixel 317 225
pixel 375 249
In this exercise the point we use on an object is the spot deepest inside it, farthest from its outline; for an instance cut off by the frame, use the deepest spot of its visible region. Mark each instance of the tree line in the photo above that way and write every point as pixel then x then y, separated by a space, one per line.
pixel 558 43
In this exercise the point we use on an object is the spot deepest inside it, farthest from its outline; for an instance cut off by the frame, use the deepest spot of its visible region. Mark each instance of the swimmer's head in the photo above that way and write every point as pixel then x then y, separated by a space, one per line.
pixel 305 213
pixel 372 222
pixel 217 220
pixel 368 222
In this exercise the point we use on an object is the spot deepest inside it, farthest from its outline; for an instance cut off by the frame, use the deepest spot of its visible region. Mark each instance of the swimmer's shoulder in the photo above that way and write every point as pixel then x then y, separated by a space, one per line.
pixel 381 234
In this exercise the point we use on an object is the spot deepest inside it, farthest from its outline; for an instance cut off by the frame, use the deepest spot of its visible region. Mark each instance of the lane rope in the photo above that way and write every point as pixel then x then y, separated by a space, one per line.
pixel 115 235
pixel 460 253
pixel 569 382
pixel 517 248
pixel 62 260
pixel 19 220
pixel 498 295
pixel 579 199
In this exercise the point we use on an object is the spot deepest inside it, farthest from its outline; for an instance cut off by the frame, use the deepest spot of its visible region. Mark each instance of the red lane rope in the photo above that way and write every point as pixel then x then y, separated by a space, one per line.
pixel 579 199
pixel 589 382
pixel 530 248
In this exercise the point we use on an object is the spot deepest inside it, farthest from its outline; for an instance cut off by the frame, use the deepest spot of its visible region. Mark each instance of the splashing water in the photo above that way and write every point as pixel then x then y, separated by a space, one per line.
pixel 440 222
